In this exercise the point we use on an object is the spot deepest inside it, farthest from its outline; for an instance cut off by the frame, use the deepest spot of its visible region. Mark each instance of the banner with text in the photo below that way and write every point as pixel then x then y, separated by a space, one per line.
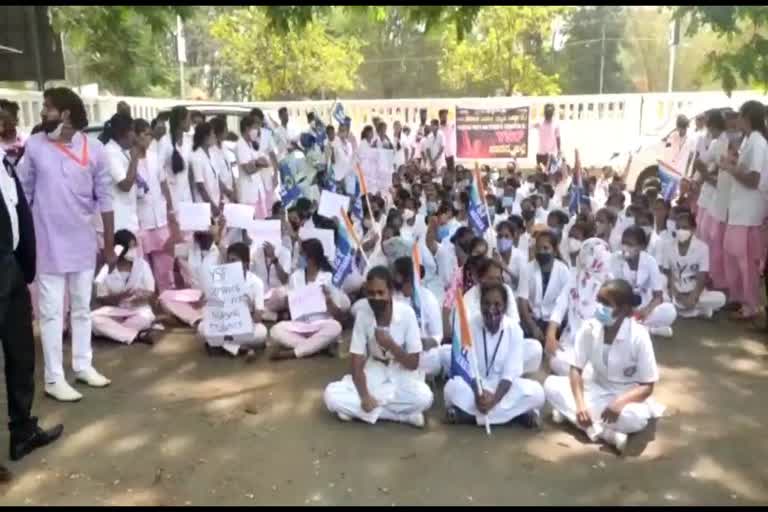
pixel 492 132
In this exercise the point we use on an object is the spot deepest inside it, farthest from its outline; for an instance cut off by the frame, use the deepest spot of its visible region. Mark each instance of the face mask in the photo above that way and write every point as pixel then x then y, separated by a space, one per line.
pixel 507 201
pixel 253 135
pixel 648 231
pixel 53 129
pixel 130 255
pixel 408 214
pixel 683 235
pixel 671 226
pixel 431 207
pixel 367 223
pixel 504 244
pixel 574 245
pixel 442 233
pixel 544 258
pixel 378 306
pixel 528 215
pixel 604 315
pixel 457 205
pixel 493 319
pixel 628 252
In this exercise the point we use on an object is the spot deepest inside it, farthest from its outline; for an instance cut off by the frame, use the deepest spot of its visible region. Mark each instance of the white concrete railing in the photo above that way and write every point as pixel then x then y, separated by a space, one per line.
pixel 595 124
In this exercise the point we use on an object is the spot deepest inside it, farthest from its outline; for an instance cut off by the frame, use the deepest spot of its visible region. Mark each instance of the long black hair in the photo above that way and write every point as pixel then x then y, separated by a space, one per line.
pixel 177 117
pixel 124 238
pixel 202 131
pixel 754 111
pixel 117 127
pixel 313 250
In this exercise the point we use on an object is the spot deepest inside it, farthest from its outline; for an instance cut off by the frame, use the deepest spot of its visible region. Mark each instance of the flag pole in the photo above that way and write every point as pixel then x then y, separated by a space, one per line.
pixel 364 191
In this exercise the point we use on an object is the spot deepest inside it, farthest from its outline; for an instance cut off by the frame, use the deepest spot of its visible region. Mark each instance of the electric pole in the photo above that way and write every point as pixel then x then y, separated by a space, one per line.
pixel 602 58
pixel 674 41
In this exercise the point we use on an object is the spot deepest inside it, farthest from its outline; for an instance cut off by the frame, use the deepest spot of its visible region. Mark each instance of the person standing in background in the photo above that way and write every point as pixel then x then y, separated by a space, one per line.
pixel 549 137
pixel 66 179
pixel 449 138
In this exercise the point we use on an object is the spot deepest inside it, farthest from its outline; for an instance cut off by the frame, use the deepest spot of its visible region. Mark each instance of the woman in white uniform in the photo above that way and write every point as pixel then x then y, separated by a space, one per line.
pixel 512 259
pixel 642 272
pixel 577 303
pixel 176 151
pixel 205 175
pixel 497 344
pixel 686 265
pixel 385 349
pixel 250 162
pixel 615 400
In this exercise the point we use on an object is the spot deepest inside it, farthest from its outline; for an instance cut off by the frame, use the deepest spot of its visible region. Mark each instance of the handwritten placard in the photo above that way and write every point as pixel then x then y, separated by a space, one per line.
pixel 226 315
pixel 194 216
pixel 307 300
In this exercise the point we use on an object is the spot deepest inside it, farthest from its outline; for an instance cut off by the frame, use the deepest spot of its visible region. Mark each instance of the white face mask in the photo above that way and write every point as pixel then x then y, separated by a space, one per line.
pixel 55 134
pixel 683 235
pixel 574 245
pixel 408 214
pixel 648 231
pixel 130 255
pixel 253 135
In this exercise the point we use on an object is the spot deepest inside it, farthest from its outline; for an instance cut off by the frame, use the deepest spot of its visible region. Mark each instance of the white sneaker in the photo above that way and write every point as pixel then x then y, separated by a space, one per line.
pixel 93 378
pixel 663 332
pixel 343 417
pixel 557 417
pixel 617 439
pixel 62 391
pixel 417 420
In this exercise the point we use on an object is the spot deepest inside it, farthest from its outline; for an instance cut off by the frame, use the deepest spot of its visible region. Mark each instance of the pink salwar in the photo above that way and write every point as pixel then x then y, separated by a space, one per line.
pixel 744 247
pixel 154 243
pixel 306 338
pixel 715 243
pixel 122 329
pixel 182 310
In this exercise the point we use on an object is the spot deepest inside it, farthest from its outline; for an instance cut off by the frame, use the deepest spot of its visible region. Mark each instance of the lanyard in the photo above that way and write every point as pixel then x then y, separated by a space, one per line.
pixel 488 365
pixel 82 160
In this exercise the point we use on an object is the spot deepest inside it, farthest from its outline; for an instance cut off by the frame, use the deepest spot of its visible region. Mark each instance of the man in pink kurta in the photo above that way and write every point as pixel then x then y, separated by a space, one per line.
pixel 65 177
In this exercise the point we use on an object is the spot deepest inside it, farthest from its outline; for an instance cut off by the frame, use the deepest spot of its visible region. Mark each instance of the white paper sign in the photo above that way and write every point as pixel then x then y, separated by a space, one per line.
pixel 226 315
pixel 266 231
pixel 331 204
pixel 307 300
pixel 326 237
pixel 194 216
pixel 239 216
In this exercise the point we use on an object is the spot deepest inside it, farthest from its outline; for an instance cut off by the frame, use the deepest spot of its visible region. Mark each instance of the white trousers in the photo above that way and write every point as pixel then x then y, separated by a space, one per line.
pixel 436 361
pixel 399 396
pixel 663 315
pixel 709 302
pixel 633 418
pixel 51 289
pixel 524 395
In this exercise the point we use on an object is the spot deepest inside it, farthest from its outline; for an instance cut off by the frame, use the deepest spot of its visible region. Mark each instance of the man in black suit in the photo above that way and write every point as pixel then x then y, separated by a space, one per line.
pixel 17 270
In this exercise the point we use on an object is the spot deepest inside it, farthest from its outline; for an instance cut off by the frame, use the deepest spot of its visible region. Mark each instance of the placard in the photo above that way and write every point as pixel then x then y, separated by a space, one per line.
pixel 307 300
pixel 331 204
pixel 266 231
pixel 239 216
pixel 194 216
pixel 492 132
pixel 226 315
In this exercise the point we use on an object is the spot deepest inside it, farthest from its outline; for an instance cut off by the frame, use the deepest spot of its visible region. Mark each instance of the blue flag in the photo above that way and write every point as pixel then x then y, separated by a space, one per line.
pixel 338 113
pixel 289 190
pixel 345 255
pixel 478 215
pixel 670 180
pixel 357 203
pixel 577 192
pixel 462 351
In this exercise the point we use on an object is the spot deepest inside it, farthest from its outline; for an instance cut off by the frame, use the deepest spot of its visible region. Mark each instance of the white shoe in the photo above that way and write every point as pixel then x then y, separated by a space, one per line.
pixel 617 439
pixel 269 316
pixel 93 378
pixel 62 391
pixel 417 420
pixel 557 417
pixel 343 417
pixel 663 332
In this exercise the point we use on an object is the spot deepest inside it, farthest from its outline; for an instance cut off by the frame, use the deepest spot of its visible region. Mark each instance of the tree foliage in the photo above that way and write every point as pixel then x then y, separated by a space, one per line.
pixel 122 48
pixel 503 51
pixel 743 54
pixel 301 62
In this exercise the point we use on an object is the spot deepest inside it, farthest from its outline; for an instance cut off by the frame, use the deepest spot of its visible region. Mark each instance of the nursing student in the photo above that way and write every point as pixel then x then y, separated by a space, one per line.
pixel 251 161
pixel 156 220
pixel 385 382
pixel 634 265
pixel 125 295
pixel 176 154
pixel 742 240
pixel 123 156
pixel 272 264
pixel 513 260
pixel 577 303
pixel 615 400
pixel 254 298
pixel 204 174
pixel 686 265
pixel 547 277
pixel 497 342
pixel 313 333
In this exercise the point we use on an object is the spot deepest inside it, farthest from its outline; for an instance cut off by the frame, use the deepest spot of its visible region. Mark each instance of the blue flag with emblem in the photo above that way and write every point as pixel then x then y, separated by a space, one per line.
pixel 670 180
pixel 345 252
pixel 289 190
pixel 478 214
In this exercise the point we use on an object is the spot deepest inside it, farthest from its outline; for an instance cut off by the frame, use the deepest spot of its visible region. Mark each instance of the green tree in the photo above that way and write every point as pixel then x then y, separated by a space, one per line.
pixel 742 55
pixel 302 62
pixel 504 51
pixel 124 49
pixel 579 60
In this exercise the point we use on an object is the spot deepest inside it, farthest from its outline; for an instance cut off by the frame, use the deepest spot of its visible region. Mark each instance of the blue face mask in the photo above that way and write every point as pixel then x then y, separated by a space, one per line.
pixel 442 232
pixel 604 315
pixel 302 262
pixel 504 244
pixel 507 201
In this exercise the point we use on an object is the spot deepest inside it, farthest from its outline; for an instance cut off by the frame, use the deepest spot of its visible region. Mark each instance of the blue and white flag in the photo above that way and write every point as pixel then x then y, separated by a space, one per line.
pixel 338 113
pixel 345 252
pixel 478 213
pixel 289 189
pixel 670 180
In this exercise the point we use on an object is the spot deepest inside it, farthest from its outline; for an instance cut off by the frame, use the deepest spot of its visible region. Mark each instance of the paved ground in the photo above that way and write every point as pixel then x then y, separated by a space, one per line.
pixel 177 427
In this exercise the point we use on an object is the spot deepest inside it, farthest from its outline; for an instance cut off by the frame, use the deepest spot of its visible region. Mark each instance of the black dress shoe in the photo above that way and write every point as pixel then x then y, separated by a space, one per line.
pixel 5 475
pixel 38 438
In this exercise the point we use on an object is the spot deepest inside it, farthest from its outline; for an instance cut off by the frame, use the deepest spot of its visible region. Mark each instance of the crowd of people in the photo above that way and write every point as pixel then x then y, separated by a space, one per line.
pixel 570 273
